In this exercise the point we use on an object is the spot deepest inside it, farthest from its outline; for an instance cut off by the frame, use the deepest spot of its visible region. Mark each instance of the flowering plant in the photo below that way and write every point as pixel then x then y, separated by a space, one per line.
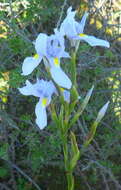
pixel 50 50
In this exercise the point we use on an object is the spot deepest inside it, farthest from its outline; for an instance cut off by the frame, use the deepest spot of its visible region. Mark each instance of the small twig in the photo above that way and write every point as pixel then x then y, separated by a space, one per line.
pixel 14 186
pixel 26 176
pixel 61 14
pixel 105 181
pixel 108 171
pixel 23 174
pixel 17 31
pixel 4 187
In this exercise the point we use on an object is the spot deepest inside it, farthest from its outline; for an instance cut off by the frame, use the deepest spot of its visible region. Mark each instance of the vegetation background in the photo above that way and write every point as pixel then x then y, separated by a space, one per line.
pixel 31 159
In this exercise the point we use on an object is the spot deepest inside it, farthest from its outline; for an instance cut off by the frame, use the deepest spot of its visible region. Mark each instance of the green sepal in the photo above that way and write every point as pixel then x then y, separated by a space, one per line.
pixel 75 153
pixel 53 114
pixel 74 94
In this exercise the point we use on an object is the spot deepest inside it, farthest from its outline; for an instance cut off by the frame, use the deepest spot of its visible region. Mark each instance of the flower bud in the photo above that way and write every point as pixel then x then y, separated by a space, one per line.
pixel 102 112
pixel 86 100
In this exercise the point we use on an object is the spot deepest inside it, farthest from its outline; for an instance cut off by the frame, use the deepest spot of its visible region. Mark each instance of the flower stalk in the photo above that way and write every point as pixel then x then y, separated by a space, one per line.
pixel 69 163
pixel 73 68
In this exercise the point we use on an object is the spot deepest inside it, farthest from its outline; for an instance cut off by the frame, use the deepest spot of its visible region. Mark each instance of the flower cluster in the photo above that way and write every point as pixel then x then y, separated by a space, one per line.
pixel 51 49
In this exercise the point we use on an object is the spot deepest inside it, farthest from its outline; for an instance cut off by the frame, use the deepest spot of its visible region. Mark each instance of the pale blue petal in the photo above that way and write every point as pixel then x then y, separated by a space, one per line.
pixel 41 115
pixel 68 27
pixel 66 95
pixel 43 89
pixel 41 44
pixel 65 54
pixel 62 30
pixel 26 90
pixel 59 36
pixel 83 21
pixel 40 89
pixel 56 30
pixel 71 13
pixel 60 77
pixel 69 9
pixel 51 89
pixel 93 41
pixel 80 25
pixel 60 39
pixel 55 45
pixel 29 64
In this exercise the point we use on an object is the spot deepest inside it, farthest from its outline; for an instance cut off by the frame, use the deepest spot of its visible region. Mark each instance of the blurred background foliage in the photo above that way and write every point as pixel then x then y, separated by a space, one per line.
pixel 32 159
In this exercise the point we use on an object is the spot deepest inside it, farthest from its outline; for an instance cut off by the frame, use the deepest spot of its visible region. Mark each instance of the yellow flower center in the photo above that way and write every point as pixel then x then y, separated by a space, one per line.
pixel 82 35
pixel 36 56
pixel 61 89
pixel 44 102
pixel 56 61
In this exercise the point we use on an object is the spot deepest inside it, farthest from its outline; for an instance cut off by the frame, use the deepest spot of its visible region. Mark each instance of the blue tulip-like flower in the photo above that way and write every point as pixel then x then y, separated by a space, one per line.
pixel 51 49
pixel 75 30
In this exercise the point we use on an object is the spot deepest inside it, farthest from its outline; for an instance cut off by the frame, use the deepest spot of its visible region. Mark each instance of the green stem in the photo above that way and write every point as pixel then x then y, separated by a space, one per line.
pixel 69 174
pixel 70 179
pixel 63 121
pixel 65 151
pixel 73 67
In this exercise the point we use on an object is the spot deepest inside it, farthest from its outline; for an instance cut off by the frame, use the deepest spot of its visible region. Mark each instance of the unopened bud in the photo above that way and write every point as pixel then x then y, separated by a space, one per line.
pixel 102 112
pixel 86 100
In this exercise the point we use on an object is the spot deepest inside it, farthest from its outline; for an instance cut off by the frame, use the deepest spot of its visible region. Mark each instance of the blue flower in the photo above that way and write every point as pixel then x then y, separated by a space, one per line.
pixel 44 90
pixel 74 30
pixel 50 48
pixel 53 49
